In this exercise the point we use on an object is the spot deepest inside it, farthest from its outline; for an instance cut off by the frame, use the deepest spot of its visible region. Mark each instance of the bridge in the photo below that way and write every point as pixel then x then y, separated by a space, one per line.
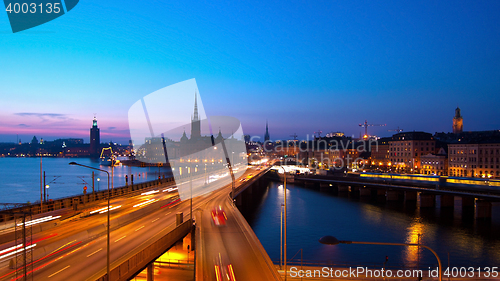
pixel 143 226
pixel 409 188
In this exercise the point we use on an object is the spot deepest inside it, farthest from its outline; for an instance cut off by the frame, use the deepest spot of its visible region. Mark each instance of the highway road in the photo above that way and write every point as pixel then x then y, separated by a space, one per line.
pixel 76 249
pixel 231 249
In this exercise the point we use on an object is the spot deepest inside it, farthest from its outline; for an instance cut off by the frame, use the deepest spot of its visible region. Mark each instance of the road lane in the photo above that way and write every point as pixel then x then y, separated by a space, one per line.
pixel 83 259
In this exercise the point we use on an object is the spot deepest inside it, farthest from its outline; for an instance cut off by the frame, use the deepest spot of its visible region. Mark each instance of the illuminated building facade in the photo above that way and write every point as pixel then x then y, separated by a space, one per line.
pixel 474 159
pixel 380 155
pixel 434 164
pixel 406 149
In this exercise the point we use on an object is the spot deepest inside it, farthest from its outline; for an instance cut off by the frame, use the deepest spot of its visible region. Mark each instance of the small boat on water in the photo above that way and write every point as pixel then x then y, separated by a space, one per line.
pixel 108 160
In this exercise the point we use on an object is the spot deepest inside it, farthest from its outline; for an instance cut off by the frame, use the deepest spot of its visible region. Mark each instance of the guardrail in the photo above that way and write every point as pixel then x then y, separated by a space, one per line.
pixel 77 201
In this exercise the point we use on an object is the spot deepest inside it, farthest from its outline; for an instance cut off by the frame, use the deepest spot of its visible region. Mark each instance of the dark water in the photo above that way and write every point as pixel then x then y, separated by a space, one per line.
pixel 313 214
pixel 20 177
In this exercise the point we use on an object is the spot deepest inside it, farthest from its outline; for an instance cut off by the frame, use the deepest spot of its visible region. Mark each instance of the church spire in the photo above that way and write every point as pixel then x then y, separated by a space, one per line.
pixel 195 122
pixel 195 117
pixel 266 136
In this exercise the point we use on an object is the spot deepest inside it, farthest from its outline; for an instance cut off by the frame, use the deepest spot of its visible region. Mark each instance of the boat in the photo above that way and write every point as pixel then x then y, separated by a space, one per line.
pixel 108 160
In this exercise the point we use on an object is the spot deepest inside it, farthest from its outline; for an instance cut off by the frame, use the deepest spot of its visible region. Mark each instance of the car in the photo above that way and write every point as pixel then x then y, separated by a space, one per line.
pixel 219 216
pixel 223 269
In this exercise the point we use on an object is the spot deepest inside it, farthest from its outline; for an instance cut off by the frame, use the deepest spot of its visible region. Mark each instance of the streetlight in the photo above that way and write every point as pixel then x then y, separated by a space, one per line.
pixel 281 236
pixel 284 230
pixel 107 256
pixel 191 188
pixel 330 240
pixel 205 173
pixel 47 191
pixel 98 184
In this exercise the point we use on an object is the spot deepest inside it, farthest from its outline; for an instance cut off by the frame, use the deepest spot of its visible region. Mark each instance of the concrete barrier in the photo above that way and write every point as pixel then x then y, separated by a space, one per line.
pixel 80 199
pixel 127 268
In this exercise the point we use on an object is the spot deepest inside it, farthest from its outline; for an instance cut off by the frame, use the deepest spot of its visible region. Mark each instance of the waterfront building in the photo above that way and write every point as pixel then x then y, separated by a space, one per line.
pixel 434 163
pixel 406 149
pixel 474 159
pixel 380 155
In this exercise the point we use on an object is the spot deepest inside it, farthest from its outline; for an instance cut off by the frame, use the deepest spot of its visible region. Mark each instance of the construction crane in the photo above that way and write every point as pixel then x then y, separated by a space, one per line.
pixel 398 130
pixel 366 125
pixel 318 133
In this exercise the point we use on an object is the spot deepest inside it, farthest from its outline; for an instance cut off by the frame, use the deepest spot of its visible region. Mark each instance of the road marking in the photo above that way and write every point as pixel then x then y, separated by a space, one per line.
pixel 156 219
pixel 94 252
pixel 121 238
pixel 168 213
pixel 140 228
pixel 58 271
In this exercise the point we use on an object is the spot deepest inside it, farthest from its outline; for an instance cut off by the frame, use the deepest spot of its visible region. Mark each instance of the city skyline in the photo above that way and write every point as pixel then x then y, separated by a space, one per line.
pixel 259 138
pixel 303 67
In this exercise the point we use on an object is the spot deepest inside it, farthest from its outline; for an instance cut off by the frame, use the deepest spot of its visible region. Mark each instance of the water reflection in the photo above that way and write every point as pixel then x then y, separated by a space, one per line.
pixel 313 214
pixel 21 177
pixel 414 233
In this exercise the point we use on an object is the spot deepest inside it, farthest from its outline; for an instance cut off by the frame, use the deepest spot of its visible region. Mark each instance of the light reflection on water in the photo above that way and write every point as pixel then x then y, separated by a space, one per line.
pixel 20 177
pixel 313 214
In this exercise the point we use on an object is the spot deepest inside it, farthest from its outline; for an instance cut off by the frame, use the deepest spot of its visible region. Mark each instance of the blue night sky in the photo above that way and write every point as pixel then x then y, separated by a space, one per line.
pixel 303 65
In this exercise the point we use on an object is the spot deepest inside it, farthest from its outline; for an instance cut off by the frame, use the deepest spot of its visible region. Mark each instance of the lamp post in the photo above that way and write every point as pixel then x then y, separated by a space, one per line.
pixel 108 244
pixel 330 240
pixel 98 184
pixel 205 173
pixel 281 236
pixel 191 188
pixel 284 230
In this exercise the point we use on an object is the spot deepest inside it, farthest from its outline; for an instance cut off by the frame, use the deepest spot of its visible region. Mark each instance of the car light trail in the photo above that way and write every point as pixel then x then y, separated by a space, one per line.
pixel 145 203
pixel 10 249
pixel 64 246
pixel 105 209
pixel 170 189
pixel 178 201
pixel 150 192
pixel 231 272
pixel 110 209
pixel 42 266
pixel 217 273
pixel 99 210
pixel 40 220
pixel 17 251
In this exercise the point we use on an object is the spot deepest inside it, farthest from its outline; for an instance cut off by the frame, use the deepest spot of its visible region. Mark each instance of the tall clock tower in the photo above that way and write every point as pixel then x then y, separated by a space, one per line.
pixel 458 122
